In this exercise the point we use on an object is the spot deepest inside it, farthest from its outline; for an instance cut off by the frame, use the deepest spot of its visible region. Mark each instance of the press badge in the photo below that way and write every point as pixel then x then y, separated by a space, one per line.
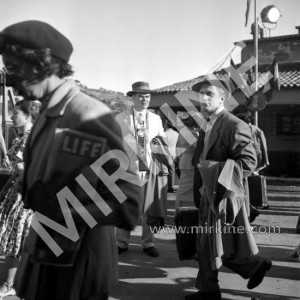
pixel 81 144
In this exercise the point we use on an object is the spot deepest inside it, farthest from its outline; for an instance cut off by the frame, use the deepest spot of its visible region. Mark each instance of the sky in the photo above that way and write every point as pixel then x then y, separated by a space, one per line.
pixel 118 42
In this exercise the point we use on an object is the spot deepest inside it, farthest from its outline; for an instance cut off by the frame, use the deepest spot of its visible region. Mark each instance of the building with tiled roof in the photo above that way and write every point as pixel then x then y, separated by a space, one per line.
pixel 280 119
pixel 289 74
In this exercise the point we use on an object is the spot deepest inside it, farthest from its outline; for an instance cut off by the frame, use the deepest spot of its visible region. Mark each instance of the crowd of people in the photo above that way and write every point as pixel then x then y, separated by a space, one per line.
pixel 14 218
pixel 91 178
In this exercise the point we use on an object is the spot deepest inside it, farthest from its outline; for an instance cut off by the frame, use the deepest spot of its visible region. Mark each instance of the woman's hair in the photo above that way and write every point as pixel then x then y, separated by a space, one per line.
pixel 43 62
pixel 24 106
pixel 190 122
pixel 35 109
pixel 243 116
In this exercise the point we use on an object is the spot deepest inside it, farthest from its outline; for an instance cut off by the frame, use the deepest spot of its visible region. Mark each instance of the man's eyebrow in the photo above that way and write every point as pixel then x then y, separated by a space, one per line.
pixel 207 92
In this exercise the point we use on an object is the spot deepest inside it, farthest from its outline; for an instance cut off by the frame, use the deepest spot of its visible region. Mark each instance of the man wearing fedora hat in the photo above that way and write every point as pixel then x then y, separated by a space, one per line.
pixel 223 158
pixel 139 126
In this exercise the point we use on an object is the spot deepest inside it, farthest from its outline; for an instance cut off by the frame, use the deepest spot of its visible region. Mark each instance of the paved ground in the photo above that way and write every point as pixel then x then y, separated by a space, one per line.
pixel 167 278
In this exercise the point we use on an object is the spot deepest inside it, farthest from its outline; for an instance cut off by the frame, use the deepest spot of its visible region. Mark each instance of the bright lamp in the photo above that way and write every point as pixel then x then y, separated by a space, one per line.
pixel 270 14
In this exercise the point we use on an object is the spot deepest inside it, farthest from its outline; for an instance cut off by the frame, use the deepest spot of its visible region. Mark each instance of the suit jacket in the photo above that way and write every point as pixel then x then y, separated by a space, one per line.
pixel 44 176
pixel 126 122
pixel 230 139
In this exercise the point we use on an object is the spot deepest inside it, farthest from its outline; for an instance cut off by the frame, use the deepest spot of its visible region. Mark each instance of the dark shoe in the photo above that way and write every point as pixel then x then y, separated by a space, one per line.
pixel 151 251
pixel 204 296
pixel 253 213
pixel 259 275
pixel 121 250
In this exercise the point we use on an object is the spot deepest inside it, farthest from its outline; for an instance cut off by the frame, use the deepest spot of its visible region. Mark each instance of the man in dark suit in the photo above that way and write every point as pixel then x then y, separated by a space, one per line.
pixel 223 158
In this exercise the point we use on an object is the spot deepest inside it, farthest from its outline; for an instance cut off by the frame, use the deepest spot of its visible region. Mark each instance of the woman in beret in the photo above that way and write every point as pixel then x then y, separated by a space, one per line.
pixel 14 218
pixel 77 258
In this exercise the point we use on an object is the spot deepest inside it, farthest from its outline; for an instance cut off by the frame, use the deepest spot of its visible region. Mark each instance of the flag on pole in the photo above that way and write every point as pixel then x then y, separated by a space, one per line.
pixel 275 72
pixel 233 85
pixel 247 11
pixel 274 83
pixel 250 74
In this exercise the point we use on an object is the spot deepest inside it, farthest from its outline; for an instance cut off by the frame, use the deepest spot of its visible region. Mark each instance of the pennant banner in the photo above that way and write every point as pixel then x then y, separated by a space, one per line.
pixel 247 12
pixel 274 83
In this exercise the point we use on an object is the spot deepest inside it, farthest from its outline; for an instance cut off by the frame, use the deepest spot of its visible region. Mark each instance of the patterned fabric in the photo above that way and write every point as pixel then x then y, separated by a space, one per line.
pixel 140 120
pixel 141 136
pixel 14 219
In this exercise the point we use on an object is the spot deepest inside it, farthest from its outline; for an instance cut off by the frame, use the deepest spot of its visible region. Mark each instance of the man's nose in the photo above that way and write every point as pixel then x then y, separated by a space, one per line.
pixel 203 97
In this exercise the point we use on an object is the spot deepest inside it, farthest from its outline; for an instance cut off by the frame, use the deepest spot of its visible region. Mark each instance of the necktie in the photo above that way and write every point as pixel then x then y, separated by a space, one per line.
pixel 140 120
pixel 207 130
pixel 199 148
pixel 200 143
pixel 141 139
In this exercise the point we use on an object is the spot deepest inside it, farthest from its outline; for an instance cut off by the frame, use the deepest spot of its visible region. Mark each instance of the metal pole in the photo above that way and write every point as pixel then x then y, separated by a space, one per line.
pixel 256 59
pixel 2 95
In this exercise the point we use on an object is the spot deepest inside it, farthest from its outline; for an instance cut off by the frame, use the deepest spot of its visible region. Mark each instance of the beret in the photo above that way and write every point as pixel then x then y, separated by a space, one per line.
pixel 36 35
pixel 220 83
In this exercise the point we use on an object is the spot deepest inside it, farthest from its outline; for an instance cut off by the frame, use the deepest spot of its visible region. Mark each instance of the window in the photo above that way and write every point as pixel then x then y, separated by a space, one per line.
pixel 288 124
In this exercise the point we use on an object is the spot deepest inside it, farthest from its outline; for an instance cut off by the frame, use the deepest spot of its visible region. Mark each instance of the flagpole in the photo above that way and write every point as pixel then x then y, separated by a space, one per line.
pixel 256 59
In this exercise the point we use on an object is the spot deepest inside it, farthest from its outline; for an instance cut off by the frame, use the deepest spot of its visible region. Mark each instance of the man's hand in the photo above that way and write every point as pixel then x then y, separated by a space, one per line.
pixel 6 162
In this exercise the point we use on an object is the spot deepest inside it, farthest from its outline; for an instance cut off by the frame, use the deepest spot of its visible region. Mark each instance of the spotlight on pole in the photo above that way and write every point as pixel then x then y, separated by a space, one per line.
pixel 270 14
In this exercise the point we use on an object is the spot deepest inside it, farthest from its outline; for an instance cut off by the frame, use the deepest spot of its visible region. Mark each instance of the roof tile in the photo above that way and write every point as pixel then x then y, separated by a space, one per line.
pixel 289 77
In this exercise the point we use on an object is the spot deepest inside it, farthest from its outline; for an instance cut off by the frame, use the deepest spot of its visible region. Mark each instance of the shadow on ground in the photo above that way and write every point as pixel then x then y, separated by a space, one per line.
pixel 146 278
pixel 279 256
pixel 252 295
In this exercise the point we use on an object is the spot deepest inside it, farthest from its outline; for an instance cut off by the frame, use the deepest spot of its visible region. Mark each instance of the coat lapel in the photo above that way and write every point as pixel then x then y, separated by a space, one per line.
pixel 215 131
pixel 128 120
pixel 37 129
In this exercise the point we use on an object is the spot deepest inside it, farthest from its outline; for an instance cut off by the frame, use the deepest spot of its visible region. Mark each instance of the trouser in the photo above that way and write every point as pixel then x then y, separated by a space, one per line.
pixel 123 236
pixel 147 240
pixel 207 278
pixel 171 177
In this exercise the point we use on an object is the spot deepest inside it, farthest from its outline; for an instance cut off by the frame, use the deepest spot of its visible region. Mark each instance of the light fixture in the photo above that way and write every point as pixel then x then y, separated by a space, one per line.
pixel 270 14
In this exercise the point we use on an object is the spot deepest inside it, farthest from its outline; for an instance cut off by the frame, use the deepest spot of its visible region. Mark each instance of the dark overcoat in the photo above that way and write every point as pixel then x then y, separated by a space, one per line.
pixel 72 133
pixel 230 139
